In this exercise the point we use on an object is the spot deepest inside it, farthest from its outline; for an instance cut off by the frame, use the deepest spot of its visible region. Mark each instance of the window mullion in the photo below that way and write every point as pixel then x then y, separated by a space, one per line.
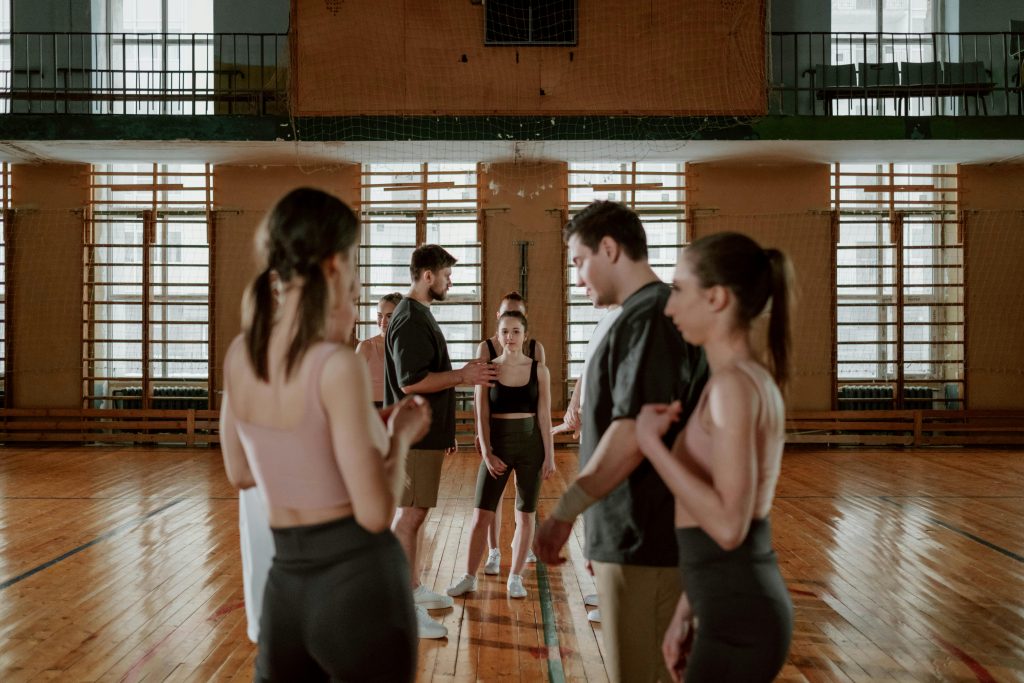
pixel 898 232
pixel 147 245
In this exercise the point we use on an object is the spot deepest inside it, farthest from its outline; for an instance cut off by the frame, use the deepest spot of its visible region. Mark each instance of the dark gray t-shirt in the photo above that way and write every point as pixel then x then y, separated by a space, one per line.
pixel 643 359
pixel 415 346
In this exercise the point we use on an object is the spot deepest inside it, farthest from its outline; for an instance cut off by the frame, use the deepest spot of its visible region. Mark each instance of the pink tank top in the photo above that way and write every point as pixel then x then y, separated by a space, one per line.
pixel 296 467
pixel 770 434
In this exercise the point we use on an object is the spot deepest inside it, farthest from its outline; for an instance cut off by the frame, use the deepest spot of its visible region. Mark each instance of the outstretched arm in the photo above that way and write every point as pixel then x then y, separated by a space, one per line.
pixel 475 372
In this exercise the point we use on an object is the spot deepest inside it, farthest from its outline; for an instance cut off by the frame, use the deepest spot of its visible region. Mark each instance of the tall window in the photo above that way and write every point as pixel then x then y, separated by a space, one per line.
pixel 5 54
pixel 155 57
pixel 886 16
pixel 657 192
pixel 900 298
pixel 874 32
pixel 147 282
pixel 405 205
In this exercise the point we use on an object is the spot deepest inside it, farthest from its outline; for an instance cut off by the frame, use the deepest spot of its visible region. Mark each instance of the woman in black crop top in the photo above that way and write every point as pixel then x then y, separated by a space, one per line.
pixel 513 422
pixel 490 349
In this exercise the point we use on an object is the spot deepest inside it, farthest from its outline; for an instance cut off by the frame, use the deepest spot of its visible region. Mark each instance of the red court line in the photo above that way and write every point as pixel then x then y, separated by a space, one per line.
pixel 979 671
pixel 976 667
pixel 225 609
pixel 132 674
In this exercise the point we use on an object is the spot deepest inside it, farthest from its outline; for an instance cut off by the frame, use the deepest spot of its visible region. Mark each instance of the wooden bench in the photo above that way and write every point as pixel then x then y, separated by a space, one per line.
pixel 908 427
pixel 199 427
pixel 94 425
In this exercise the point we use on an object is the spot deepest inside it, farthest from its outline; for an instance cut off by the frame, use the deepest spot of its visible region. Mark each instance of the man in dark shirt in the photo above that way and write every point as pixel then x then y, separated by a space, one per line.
pixel 629 510
pixel 416 361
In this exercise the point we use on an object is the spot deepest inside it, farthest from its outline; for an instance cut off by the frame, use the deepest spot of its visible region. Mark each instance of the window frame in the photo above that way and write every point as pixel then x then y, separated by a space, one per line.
pixel 5 241
pixel 421 209
pixel 115 43
pixel 632 180
pixel 152 204
pixel 909 277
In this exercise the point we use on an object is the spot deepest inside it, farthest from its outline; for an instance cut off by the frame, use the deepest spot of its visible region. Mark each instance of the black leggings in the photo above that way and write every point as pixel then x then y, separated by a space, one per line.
pixel 337 607
pixel 741 604
pixel 518 444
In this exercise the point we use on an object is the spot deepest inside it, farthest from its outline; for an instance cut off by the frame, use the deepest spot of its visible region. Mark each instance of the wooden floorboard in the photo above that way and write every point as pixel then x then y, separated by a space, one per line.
pixel 903 565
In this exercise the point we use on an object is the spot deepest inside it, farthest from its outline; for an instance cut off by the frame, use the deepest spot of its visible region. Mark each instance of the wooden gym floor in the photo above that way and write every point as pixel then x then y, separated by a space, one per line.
pixel 123 564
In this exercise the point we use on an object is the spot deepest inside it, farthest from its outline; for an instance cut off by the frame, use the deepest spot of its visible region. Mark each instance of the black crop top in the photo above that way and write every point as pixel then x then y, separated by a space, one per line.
pixel 521 399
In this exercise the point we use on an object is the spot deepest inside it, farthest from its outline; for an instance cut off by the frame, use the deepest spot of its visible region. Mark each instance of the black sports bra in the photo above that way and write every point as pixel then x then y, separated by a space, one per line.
pixel 521 399
pixel 493 352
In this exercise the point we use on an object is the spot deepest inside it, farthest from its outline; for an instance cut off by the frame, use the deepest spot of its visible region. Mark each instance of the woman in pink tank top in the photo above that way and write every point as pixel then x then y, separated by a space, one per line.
pixel 327 467
pixel 724 465
pixel 372 349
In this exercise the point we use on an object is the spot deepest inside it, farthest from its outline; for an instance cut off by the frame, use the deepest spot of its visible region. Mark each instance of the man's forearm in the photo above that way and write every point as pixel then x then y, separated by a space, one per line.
pixel 435 382
pixel 615 457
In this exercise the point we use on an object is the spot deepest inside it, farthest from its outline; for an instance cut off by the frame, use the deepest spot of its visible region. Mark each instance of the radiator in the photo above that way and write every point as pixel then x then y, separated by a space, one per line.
pixel 865 397
pixel 880 397
pixel 164 398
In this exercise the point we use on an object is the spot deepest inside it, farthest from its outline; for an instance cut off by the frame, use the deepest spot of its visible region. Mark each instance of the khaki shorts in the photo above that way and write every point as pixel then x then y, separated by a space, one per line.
pixel 637 604
pixel 423 479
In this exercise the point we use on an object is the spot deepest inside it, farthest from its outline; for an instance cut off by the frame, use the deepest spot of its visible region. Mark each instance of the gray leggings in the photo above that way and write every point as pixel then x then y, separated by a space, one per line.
pixel 337 607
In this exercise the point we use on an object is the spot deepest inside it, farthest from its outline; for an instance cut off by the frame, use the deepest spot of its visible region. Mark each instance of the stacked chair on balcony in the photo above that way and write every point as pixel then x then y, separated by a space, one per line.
pixel 970 78
pixel 834 78
pixel 879 81
pixel 912 79
pixel 923 78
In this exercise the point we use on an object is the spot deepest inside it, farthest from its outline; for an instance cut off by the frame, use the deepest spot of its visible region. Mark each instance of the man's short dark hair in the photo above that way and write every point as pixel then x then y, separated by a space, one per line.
pixel 429 257
pixel 609 219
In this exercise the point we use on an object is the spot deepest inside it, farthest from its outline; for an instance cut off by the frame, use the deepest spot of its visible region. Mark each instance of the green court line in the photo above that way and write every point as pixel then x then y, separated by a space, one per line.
pixel 556 674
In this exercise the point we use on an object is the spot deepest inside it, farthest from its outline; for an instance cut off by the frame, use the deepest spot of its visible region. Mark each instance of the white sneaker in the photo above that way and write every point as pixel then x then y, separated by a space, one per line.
pixel 590 600
pixel 530 557
pixel 594 615
pixel 493 564
pixel 427 627
pixel 515 586
pixel 467 584
pixel 428 599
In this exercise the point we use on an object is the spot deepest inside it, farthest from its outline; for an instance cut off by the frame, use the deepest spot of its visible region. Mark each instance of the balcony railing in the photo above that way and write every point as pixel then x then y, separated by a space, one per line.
pixel 144 73
pixel 895 74
pixel 810 74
